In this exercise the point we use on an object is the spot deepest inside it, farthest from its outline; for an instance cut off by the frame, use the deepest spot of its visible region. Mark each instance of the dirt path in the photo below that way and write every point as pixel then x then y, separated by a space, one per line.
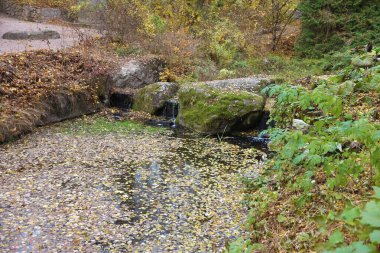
pixel 69 36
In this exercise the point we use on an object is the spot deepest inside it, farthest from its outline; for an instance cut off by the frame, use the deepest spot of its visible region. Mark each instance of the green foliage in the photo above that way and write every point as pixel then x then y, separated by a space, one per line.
pixel 286 68
pixel 329 25
pixel 243 246
pixel 125 50
pixel 226 41
pixel 99 125
pixel 319 168
pixel 365 222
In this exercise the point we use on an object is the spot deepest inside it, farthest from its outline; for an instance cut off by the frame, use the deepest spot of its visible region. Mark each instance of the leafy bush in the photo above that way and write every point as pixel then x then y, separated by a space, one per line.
pixel 364 222
pixel 320 171
pixel 330 25
pixel 226 41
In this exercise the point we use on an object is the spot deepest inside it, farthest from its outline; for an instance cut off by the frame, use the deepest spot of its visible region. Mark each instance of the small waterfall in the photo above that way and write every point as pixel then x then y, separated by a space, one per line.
pixel 170 111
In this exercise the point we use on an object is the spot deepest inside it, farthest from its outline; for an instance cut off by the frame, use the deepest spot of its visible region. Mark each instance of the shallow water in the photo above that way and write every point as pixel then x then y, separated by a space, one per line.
pixel 63 190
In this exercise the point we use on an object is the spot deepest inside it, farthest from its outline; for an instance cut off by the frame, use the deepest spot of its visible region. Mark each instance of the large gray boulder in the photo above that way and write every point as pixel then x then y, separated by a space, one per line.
pixel 152 98
pixel 206 109
pixel 139 73
pixel 250 84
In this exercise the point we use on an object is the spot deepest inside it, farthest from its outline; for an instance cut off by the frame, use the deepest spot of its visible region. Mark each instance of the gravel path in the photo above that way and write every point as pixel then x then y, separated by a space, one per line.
pixel 78 187
pixel 69 36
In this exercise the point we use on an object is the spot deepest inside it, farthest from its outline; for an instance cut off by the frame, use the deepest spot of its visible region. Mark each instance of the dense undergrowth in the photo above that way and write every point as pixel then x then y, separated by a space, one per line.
pixel 321 190
pixel 206 40
pixel 101 125
pixel 330 25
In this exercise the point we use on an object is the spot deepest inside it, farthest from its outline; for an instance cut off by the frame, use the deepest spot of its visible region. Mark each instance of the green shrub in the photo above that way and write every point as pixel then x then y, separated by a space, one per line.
pixel 329 25
pixel 226 41
pixel 311 194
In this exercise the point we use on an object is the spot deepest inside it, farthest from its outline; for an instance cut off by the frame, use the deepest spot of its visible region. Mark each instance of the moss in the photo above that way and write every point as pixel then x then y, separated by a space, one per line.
pixel 208 110
pixel 152 98
pixel 144 98
pixel 99 125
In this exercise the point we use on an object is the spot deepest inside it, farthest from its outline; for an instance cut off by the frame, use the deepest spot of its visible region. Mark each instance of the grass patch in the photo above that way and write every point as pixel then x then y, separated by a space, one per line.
pixel 286 68
pixel 99 125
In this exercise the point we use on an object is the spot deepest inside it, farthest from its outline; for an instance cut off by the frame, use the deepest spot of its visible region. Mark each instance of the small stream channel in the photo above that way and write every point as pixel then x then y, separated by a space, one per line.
pixel 64 189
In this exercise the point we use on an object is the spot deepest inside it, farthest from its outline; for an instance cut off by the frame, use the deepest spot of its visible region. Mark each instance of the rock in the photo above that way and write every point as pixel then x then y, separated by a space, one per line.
pixel 38 35
pixel 152 98
pixel 300 124
pixel 206 109
pixel 250 84
pixel 139 73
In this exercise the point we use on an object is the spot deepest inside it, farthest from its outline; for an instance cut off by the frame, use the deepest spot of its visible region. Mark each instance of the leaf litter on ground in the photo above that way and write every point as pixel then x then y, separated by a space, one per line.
pixel 76 187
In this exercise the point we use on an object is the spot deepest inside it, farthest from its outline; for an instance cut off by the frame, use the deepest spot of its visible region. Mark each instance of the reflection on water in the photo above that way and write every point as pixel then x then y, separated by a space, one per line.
pixel 180 198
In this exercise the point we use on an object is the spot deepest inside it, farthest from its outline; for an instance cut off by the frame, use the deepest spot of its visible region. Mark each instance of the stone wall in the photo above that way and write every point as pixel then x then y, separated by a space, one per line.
pixel 30 13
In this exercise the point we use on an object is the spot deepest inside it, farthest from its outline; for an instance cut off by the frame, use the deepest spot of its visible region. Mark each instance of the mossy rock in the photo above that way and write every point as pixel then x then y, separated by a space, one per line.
pixel 152 98
pixel 208 110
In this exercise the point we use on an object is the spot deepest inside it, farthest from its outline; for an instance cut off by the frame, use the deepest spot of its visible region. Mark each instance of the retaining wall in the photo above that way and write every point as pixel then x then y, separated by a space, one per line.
pixel 31 13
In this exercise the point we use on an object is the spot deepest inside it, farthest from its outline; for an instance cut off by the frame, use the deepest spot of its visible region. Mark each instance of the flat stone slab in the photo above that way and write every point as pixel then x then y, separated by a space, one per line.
pixel 250 84
pixel 35 35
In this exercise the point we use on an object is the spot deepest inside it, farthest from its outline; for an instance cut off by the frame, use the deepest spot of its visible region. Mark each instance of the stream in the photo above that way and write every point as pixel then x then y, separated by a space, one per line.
pixel 91 186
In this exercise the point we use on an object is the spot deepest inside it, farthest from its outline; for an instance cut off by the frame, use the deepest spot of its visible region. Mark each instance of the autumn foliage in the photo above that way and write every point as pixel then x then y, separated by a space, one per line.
pixel 28 80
